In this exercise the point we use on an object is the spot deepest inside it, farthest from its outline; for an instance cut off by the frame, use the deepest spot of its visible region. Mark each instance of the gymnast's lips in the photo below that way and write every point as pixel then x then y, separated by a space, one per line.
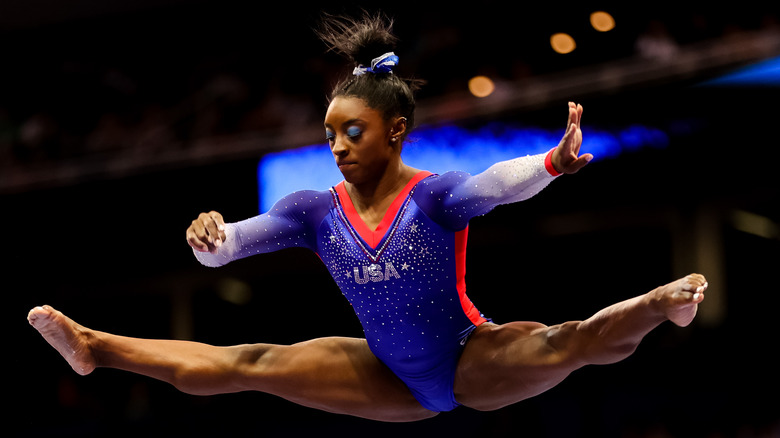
pixel 345 164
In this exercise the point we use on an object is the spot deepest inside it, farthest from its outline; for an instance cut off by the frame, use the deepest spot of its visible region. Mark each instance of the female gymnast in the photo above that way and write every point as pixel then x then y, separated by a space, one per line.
pixel 394 240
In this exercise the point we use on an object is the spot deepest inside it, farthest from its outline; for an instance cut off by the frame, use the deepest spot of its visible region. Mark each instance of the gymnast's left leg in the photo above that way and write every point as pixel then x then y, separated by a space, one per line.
pixel 504 364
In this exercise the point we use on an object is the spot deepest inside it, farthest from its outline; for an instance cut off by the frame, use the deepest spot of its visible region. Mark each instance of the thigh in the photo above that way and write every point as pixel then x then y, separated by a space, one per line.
pixel 504 364
pixel 339 375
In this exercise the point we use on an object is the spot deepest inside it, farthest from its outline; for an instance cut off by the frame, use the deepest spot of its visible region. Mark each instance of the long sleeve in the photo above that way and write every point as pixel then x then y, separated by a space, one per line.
pixel 291 222
pixel 453 198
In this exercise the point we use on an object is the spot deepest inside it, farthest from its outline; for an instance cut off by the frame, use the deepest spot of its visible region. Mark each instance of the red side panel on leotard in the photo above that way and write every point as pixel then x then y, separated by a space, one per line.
pixel 461 238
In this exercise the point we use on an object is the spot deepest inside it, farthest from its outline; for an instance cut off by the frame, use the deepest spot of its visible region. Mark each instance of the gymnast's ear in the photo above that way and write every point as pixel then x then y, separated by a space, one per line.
pixel 398 130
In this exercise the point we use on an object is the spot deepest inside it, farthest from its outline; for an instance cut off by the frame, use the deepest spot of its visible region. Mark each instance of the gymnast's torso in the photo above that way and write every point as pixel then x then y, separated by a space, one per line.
pixel 405 279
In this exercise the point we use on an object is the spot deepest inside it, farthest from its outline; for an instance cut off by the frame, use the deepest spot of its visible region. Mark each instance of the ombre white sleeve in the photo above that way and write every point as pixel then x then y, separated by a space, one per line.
pixel 509 181
pixel 291 222
pixel 456 197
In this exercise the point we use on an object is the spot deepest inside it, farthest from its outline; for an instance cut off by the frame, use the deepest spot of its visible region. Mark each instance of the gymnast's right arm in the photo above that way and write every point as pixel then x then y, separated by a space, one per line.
pixel 291 222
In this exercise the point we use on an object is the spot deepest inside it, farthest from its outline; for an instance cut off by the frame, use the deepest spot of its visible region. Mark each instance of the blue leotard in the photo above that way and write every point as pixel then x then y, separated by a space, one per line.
pixel 406 279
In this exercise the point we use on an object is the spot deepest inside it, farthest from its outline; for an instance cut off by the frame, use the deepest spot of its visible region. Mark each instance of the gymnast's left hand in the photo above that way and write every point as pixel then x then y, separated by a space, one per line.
pixel 566 157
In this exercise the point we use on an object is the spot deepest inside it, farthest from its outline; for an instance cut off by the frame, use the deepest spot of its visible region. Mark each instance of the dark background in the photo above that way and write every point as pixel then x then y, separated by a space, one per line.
pixel 120 124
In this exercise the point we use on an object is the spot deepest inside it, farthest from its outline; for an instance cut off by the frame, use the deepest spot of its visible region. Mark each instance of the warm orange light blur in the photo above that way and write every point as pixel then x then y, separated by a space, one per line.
pixel 481 86
pixel 602 21
pixel 562 43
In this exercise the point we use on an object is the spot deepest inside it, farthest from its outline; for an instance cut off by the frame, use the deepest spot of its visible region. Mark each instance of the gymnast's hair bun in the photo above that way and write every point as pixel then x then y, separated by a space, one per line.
pixel 359 40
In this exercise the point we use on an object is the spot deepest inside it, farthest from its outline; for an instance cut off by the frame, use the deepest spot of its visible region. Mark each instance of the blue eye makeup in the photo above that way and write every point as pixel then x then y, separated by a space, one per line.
pixel 353 132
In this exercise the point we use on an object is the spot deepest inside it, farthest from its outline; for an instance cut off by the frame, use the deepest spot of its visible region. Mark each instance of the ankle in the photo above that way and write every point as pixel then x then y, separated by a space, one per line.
pixel 95 345
pixel 657 301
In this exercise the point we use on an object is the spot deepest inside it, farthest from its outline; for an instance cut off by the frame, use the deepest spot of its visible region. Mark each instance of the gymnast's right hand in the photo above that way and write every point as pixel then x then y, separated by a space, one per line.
pixel 207 232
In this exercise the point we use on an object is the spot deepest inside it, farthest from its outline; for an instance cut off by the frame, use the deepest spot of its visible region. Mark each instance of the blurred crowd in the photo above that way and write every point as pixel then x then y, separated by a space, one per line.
pixel 86 89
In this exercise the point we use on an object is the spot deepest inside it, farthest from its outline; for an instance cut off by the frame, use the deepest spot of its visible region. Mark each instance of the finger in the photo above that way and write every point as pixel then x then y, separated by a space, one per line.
pixel 196 236
pixel 220 223
pixel 587 157
pixel 572 119
pixel 577 114
pixel 569 139
pixel 213 225
pixel 576 142
pixel 198 246
pixel 213 232
pixel 196 243
pixel 217 217
pixel 200 226
pixel 570 115
pixel 578 164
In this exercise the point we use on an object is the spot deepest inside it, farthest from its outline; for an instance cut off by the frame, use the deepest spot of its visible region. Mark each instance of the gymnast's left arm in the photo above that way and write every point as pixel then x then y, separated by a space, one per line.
pixel 521 178
pixel 455 197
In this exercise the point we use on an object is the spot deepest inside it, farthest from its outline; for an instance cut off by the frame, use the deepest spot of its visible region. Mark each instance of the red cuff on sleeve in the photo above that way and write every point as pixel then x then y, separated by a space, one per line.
pixel 548 164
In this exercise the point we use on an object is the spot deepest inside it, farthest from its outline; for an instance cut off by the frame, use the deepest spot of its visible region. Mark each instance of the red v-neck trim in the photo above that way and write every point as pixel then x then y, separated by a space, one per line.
pixel 373 237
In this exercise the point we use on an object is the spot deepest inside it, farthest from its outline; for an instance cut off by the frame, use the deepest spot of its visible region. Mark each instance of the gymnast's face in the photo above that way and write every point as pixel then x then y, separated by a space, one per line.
pixel 360 139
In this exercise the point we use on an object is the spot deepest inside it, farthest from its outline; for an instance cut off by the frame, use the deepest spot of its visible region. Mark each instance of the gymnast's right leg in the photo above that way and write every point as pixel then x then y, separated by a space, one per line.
pixel 338 375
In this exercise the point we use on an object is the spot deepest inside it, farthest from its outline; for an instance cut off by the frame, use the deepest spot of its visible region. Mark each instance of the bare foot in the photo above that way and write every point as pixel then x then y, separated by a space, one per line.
pixel 67 337
pixel 680 299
